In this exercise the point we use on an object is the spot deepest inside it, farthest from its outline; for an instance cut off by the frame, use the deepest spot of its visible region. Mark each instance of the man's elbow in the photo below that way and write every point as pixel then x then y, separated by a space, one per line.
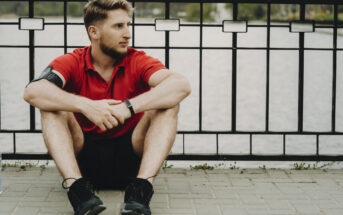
pixel 28 95
pixel 185 85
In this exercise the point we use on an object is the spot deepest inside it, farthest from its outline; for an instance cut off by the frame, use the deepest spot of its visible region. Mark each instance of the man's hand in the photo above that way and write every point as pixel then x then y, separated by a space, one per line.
pixel 121 112
pixel 103 113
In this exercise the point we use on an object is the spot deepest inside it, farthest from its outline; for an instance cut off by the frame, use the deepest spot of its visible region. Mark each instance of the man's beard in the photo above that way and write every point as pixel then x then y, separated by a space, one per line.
pixel 112 52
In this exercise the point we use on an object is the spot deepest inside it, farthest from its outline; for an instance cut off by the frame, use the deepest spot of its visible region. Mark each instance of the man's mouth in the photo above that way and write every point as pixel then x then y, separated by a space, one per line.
pixel 124 43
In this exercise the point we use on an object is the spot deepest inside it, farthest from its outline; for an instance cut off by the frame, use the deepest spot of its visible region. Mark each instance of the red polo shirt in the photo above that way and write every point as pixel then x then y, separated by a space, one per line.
pixel 129 79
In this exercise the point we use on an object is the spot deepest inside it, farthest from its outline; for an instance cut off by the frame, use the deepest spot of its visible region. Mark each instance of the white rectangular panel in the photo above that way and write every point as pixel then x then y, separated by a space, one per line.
pixel 31 23
pixel 235 26
pixel 167 24
pixel 317 90
pixel 297 27
pixel 283 90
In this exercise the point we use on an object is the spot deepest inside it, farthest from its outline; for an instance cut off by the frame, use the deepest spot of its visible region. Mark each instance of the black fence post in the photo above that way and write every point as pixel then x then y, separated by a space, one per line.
pixel 32 63
pixel 301 72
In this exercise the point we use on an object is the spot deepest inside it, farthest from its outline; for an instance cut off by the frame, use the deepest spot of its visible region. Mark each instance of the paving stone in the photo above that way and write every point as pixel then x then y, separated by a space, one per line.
pixel 38 192
pixel 171 211
pixel 42 204
pixel 241 182
pixel 225 210
pixel 258 211
pixel 7 206
pixel 57 210
pixel 306 208
pixel 181 203
pixel 282 211
pixel 251 199
pixel 23 187
pixel 330 211
pixel 26 211
pixel 161 198
pixel 226 194
pixel 279 204
pixel 206 209
pixel 12 194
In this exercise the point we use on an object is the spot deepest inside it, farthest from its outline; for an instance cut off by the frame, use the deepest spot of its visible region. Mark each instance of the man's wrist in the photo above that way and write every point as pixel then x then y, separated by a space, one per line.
pixel 130 107
pixel 81 104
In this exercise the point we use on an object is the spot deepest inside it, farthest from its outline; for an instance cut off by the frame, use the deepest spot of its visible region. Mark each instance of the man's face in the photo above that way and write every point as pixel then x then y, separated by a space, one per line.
pixel 115 33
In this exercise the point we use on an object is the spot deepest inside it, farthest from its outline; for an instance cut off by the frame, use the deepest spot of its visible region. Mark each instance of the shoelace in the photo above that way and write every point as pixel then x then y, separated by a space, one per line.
pixel 64 181
pixel 87 185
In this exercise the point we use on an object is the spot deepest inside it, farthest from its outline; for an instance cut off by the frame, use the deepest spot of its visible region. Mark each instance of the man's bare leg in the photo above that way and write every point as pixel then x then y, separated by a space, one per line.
pixel 64 140
pixel 153 138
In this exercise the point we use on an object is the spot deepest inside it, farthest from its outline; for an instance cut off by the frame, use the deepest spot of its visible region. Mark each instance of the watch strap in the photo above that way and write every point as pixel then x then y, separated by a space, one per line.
pixel 129 105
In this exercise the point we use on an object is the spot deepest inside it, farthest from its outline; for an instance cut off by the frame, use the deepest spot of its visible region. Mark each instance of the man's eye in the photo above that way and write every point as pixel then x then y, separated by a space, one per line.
pixel 119 26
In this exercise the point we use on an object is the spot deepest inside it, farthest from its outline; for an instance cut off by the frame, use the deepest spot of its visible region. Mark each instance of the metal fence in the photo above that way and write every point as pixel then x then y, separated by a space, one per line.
pixel 300 25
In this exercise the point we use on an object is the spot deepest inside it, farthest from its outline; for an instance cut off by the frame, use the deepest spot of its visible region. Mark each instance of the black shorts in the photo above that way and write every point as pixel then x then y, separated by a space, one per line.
pixel 109 163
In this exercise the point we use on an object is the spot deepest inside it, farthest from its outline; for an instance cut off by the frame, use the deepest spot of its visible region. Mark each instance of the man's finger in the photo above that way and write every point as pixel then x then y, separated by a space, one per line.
pixel 108 125
pixel 119 119
pixel 113 101
pixel 113 121
pixel 102 127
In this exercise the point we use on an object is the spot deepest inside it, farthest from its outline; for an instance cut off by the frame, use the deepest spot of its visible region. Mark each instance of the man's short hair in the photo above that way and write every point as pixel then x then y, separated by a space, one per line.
pixel 96 10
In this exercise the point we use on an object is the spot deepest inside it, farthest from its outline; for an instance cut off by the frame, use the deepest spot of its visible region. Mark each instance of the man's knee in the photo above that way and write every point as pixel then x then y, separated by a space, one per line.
pixel 56 115
pixel 170 112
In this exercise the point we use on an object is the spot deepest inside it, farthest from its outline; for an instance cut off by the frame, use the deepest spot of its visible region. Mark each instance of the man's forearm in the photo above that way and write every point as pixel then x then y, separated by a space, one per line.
pixel 49 97
pixel 167 94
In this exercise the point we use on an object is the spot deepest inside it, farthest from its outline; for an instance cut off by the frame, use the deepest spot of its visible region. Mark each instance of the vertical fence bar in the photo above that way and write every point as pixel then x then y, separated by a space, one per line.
pixel 317 144
pixel 250 150
pixel 200 66
pixel 0 107
pixel 334 75
pixel 234 70
pixel 267 64
pixel 32 63
pixel 217 144
pixel 183 144
pixel 133 25
pixel 65 26
pixel 301 72
pixel 167 16
pixel 14 144
pixel 284 144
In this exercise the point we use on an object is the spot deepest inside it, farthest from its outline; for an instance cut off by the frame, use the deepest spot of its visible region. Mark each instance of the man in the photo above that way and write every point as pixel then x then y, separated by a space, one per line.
pixel 109 112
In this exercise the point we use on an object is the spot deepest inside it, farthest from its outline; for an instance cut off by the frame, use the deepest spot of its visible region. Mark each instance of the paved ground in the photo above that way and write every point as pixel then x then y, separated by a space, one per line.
pixel 180 191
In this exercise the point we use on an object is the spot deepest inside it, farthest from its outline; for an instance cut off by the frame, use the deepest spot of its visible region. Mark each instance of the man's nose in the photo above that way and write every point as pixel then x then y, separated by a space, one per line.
pixel 127 32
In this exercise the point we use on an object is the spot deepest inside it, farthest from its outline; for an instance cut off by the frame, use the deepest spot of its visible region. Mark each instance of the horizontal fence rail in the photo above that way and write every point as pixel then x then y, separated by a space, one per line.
pixel 236 26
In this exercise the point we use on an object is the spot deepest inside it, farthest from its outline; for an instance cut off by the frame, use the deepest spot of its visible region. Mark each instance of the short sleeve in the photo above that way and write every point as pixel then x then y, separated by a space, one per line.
pixel 146 66
pixel 67 65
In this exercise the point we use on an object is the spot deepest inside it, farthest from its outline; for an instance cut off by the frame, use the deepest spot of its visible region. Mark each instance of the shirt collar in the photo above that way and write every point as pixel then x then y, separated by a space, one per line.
pixel 89 64
pixel 88 59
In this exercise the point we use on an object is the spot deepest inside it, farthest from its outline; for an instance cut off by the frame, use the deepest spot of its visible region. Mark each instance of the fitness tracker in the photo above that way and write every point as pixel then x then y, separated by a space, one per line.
pixel 128 104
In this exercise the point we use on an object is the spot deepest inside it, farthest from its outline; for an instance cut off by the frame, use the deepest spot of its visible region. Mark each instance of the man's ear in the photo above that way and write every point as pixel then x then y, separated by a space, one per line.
pixel 93 32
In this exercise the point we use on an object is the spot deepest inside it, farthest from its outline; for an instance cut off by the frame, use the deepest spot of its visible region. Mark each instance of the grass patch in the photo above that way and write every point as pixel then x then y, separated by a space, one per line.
pixel 24 165
pixel 166 166
pixel 315 166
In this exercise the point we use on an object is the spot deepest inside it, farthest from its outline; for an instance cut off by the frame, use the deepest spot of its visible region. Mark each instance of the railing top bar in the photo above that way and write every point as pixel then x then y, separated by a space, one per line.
pixel 218 1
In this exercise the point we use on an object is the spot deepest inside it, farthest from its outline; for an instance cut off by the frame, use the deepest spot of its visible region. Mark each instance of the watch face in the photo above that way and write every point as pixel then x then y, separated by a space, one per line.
pixel 46 71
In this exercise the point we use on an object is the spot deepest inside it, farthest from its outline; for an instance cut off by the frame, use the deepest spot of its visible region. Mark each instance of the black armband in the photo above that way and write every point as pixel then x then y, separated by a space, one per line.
pixel 50 76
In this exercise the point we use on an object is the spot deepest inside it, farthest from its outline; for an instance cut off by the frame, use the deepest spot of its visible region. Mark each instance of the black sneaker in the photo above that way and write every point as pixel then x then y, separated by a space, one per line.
pixel 137 198
pixel 82 198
